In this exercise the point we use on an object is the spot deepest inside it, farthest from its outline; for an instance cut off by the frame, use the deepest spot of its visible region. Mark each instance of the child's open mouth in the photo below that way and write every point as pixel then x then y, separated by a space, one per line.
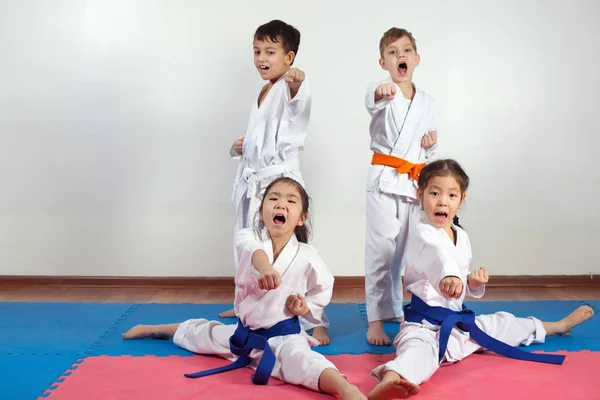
pixel 279 219
pixel 263 68
pixel 441 216
pixel 402 67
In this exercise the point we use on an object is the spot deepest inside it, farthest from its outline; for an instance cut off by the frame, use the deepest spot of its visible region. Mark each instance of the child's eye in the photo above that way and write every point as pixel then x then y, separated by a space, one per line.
pixel 392 52
pixel 270 53
pixel 273 199
pixel 256 52
pixel 452 195
pixel 292 201
pixel 408 50
pixel 435 193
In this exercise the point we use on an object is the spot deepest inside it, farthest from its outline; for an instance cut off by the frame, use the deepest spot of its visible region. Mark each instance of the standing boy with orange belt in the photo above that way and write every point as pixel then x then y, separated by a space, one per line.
pixel 403 140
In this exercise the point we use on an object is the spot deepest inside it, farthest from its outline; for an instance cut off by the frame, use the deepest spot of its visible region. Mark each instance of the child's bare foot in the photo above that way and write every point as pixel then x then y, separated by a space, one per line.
pixel 565 325
pixel 393 386
pixel 139 332
pixel 228 314
pixel 376 335
pixel 320 333
pixel 352 393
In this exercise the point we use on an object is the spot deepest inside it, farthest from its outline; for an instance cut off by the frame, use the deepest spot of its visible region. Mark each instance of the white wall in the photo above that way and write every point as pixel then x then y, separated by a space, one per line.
pixel 116 119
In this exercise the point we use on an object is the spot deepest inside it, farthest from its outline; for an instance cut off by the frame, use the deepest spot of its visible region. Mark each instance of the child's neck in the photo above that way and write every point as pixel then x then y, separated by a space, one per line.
pixel 274 80
pixel 451 233
pixel 408 89
pixel 279 243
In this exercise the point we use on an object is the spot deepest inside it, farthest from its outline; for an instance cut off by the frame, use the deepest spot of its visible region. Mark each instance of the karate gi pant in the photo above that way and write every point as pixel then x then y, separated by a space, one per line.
pixel 388 219
pixel 295 362
pixel 417 345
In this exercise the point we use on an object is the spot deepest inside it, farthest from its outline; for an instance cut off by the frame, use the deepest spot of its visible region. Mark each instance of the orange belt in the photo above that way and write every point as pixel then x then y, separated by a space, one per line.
pixel 399 164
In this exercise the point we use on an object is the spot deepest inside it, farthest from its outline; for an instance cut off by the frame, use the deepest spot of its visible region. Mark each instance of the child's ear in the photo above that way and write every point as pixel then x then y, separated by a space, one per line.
pixel 302 220
pixel 382 64
pixel 418 59
pixel 420 196
pixel 289 58
pixel 462 199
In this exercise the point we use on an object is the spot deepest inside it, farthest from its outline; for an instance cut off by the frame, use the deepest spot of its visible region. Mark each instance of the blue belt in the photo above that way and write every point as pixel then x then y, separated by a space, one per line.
pixel 418 311
pixel 245 340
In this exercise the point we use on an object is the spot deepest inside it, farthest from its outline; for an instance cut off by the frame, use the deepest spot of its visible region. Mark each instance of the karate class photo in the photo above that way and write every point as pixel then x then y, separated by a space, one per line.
pixel 299 200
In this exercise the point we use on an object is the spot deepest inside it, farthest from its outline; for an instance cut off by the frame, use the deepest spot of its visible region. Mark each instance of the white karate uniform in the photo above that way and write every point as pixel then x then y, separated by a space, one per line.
pixel 431 256
pixel 272 145
pixel 391 197
pixel 302 272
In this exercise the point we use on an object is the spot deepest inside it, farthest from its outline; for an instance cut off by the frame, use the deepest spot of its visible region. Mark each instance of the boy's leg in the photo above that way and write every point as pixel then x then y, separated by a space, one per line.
pixel 241 222
pixel 297 364
pixel 407 211
pixel 380 245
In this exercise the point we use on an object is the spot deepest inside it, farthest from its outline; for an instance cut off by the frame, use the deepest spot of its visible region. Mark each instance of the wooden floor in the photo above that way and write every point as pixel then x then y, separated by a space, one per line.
pixel 103 294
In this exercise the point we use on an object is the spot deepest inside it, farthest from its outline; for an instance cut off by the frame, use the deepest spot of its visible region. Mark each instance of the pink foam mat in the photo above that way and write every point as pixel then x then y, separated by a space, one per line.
pixel 484 376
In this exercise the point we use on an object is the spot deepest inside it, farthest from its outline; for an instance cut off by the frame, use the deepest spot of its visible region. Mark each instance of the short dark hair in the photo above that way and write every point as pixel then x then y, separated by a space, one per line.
pixel 276 31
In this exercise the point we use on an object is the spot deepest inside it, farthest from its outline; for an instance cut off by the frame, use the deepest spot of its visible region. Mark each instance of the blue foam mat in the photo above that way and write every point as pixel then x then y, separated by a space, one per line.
pixel 95 328
pixel 153 313
pixel 348 327
pixel 56 328
pixel 25 377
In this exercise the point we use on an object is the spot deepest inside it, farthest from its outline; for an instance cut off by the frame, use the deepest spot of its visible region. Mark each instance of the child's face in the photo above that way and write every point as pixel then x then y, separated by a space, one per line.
pixel 441 200
pixel 400 59
pixel 270 59
pixel 282 209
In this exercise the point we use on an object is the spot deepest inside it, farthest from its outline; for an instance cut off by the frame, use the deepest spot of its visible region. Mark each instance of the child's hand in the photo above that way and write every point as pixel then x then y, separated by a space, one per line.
pixel 429 140
pixel 269 279
pixel 477 278
pixel 238 146
pixel 297 305
pixel 385 90
pixel 451 286
pixel 294 78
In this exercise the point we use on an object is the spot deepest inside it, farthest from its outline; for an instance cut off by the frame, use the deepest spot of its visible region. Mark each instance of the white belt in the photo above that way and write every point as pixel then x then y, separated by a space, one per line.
pixel 248 180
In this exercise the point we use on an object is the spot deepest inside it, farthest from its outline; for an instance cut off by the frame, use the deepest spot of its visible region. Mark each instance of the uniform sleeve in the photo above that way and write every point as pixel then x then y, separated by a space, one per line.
pixel 478 291
pixel 293 126
pixel 232 152
pixel 320 290
pixel 247 241
pixel 372 107
pixel 429 153
pixel 436 261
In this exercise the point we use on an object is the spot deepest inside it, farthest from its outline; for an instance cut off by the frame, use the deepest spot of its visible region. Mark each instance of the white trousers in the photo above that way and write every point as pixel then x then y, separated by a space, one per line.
pixel 295 362
pixel 388 218
pixel 417 346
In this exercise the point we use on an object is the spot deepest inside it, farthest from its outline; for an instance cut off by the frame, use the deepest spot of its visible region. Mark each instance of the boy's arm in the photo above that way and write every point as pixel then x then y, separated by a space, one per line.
pixel 430 152
pixel 293 126
pixel 236 148
pixel 374 103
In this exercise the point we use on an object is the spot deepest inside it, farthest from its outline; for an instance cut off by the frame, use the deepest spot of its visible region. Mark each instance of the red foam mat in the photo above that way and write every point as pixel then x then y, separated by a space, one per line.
pixel 478 377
